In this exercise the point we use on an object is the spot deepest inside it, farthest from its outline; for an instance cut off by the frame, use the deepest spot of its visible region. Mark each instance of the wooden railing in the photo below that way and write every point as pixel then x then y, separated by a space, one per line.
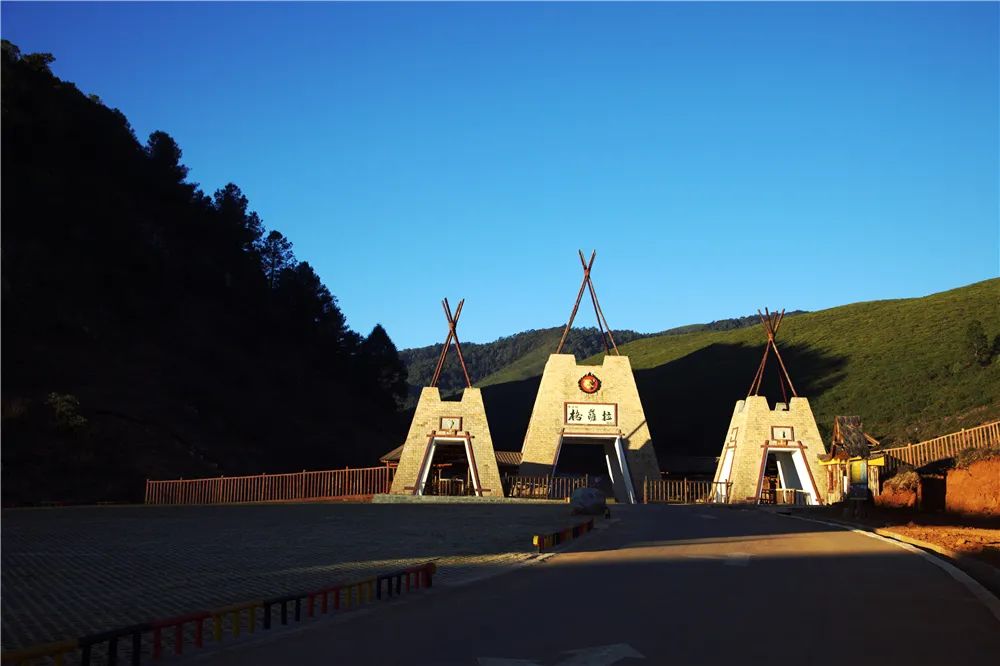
pixel 946 446
pixel 543 487
pixel 272 487
pixel 685 491
pixel 784 496
pixel 451 487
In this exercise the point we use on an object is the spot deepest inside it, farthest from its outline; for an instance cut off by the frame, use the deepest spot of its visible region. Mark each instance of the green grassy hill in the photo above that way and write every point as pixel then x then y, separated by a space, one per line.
pixel 902 365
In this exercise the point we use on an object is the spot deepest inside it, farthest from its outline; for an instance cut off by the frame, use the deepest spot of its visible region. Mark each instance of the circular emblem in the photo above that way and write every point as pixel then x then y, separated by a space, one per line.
pixel 589 383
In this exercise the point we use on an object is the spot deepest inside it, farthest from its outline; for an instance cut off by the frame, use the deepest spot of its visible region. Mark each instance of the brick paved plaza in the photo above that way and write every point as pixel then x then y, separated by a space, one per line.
pixel 71 571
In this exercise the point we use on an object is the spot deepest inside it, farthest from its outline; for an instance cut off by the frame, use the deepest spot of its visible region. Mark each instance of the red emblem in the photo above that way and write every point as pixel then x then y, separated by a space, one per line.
pixel 589 383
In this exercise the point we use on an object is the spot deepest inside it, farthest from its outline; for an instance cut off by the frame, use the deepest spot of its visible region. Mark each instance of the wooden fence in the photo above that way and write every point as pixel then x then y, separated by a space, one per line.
pixel 784 496
pixel 980 437
pixel 272 487
pixel 543 487
pixel 685 491
pixel 454 487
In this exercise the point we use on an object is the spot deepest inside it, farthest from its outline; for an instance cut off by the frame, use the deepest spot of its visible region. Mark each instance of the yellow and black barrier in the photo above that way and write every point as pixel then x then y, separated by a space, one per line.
pixel 547 541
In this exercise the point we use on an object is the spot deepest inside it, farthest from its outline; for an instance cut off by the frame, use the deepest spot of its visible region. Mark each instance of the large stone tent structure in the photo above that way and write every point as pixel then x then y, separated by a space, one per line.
pixel 458 429
pixel 592 406
pixel 759 438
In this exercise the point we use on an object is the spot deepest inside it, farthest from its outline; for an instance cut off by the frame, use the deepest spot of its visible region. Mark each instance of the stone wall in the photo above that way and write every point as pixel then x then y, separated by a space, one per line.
pixel 753 424
pixel 426 422
pixel 560 385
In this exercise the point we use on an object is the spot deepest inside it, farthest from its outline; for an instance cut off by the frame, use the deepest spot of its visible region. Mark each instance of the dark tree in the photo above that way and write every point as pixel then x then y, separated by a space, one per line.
pixel 275 256
pixel 977 343
pixel 231 205
pixel 308 306
pixel 165 157
pixel 382 359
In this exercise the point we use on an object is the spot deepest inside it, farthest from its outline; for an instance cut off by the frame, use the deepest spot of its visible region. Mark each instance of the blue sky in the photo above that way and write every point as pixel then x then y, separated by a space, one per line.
pixel 719 157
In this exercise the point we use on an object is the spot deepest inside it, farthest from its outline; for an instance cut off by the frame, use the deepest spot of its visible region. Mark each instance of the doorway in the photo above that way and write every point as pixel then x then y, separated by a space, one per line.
pixel 449 468
pixel 601 459
pixel 785 479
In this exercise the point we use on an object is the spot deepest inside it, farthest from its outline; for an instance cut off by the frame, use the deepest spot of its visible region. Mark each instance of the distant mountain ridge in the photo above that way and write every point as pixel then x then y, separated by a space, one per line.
pixel 524 354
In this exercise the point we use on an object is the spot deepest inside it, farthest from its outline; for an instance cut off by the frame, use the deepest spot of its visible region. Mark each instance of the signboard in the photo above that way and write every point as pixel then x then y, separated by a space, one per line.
pixel 591 413
pixel 451 423
pixel 782 433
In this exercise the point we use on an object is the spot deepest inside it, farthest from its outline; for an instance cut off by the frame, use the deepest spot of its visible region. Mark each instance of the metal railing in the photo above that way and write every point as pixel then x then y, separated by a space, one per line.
pixel 326 484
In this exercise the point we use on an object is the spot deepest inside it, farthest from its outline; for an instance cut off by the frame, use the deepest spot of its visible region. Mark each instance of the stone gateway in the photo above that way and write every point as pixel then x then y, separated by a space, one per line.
pixel 570 412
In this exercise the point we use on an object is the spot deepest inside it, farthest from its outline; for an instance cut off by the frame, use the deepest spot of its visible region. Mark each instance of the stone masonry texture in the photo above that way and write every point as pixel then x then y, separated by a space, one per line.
pixel 67 572
pixel 559 385
pixel 753 420
pixel 426 420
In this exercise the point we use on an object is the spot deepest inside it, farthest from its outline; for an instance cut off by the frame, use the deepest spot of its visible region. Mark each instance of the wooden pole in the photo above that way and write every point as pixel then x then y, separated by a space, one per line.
pixel 445 348
pixel 458 345
pixel 576 305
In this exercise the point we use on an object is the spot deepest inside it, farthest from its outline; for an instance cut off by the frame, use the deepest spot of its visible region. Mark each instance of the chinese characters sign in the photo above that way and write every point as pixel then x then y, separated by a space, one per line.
pixel 591 413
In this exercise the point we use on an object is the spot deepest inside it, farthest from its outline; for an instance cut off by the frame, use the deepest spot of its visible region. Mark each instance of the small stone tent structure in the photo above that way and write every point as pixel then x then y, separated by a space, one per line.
pixel 448 423
pixel 596 405
pixel 756 433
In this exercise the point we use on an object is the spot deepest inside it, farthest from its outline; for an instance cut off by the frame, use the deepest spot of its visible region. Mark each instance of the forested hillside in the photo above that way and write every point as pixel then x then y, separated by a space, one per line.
pixel 911 368
pixel 153 330
pixel 524 354
pixel 491 357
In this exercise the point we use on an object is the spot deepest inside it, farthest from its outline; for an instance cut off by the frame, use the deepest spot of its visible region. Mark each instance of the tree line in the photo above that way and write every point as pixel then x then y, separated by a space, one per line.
pixel 130 289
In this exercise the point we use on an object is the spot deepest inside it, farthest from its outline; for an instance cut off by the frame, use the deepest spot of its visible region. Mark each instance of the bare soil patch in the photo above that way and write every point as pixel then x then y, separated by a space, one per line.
pixel 978 537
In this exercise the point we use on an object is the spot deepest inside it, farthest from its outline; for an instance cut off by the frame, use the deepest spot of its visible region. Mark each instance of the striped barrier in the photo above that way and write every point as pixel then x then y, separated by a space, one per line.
pixel 544 541
pixel 337 597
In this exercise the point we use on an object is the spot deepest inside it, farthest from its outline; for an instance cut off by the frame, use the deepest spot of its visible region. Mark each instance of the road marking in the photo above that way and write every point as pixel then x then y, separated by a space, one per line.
pixel 707 517
pixel 602 655
pixel 973 585
pixel 737 559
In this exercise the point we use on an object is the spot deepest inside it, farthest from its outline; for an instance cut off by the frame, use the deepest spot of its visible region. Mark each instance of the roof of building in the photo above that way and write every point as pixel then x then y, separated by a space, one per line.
pixel 394 455
pixel 508 457
pixel 849 438
pixel 512 458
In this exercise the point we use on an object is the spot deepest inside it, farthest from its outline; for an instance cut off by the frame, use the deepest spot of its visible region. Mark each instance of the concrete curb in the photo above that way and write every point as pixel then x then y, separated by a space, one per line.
pixel 385 498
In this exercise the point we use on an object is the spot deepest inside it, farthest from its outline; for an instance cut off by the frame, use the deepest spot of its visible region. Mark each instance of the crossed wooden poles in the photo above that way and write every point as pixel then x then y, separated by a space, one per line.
pixel 452 333
pixel 771 322
pixel 602 323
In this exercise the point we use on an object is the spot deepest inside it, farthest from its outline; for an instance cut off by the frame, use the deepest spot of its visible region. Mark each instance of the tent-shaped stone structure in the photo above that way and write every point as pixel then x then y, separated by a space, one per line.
pixel 459 428
pixel 760 439
pixel 596 406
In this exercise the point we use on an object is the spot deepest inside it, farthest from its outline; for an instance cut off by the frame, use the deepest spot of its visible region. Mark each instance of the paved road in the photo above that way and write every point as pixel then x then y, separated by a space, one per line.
pixel 677 585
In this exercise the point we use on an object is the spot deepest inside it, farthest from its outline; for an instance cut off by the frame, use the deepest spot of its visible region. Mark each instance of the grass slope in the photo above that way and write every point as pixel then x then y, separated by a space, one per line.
pixel 900 364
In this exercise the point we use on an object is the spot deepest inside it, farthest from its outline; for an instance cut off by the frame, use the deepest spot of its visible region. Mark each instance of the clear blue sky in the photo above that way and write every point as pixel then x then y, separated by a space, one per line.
pixel 720 157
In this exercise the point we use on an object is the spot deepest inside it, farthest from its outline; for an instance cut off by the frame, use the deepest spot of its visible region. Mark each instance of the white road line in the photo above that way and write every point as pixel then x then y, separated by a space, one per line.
pixel 707 517
pixel 603 655
pixel 974 586
pixel 737 559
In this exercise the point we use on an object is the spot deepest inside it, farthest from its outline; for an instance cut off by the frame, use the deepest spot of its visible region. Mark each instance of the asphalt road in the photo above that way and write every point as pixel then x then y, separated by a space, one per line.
pixel 670 585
